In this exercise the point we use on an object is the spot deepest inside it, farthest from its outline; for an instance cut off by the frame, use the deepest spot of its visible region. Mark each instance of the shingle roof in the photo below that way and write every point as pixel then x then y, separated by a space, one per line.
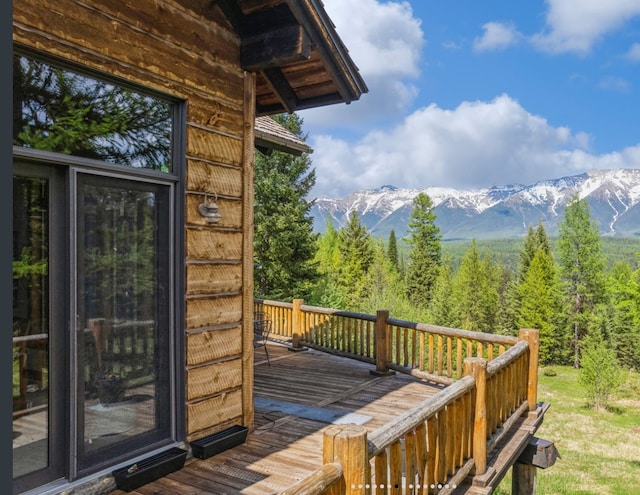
pixel 271 135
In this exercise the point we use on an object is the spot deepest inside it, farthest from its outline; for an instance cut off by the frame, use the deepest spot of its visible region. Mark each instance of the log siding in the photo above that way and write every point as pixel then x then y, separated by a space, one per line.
pixel 192 55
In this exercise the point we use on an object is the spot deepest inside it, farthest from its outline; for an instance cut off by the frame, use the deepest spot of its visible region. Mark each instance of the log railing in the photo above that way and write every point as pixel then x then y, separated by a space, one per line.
pixel 427 351
pixel 432 448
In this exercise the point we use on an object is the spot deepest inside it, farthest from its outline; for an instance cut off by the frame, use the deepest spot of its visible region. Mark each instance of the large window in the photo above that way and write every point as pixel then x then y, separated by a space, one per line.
pixel 56 109
pixel 94 300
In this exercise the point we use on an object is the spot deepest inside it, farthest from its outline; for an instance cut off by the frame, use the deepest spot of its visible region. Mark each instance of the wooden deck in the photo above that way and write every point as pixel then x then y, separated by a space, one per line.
pixel 286 446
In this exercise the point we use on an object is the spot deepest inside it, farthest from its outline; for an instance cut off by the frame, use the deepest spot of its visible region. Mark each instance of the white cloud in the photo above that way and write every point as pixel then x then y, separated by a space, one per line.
pixel 576 25
pixel 634 53
pixel 383 38
pixel 385 41
pixel 477 144
pixel 613 83
pixel 451 45
pixel 497 36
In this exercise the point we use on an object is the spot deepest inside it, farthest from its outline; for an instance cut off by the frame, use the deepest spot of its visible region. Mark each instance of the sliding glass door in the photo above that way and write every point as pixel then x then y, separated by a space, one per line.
pixel 123 281
pixel 38 369
pixel 95 388
pixel 96 170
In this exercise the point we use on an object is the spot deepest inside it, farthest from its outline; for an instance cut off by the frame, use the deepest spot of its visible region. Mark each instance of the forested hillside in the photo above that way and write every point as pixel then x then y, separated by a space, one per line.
pixel 580 289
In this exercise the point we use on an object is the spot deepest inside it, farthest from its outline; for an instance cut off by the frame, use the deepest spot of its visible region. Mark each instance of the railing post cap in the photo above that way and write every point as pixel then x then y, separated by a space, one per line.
pixel 476 361
pixel 528 331
pixel 345 431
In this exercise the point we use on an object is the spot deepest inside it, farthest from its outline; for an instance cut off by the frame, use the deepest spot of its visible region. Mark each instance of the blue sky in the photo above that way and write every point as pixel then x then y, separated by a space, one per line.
pixel 472 94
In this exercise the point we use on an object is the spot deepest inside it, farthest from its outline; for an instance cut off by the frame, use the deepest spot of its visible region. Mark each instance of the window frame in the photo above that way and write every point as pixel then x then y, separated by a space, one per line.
pixel 175 180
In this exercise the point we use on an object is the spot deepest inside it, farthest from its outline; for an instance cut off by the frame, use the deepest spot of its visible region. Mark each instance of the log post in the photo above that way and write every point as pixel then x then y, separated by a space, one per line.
pixel 523 481
pixel 532 336
pixel 347 446
pixel 477 368
pixel 381 343
pixel 298 330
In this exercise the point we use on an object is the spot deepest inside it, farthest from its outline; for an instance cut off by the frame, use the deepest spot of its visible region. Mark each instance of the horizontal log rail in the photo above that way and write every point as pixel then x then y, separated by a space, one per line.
pixel 327 479
pixel 426 351
pixel 434 446
pixel 492 382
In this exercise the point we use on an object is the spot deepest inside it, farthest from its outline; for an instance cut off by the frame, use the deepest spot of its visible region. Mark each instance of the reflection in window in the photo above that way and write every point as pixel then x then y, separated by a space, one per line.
pixel 30 324
pixel 61 111
pixel 123 281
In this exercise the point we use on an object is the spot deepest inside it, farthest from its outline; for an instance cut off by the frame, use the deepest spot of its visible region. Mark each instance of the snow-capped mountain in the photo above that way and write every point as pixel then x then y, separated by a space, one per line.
pixel 495 212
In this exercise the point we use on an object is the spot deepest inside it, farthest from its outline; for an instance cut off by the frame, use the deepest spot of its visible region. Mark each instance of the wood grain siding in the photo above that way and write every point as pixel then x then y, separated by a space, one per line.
pixel 219 409
pixel 204 144
pixel 214 113
pixel 213 345
pixel 132 37
pixel 207 244
pixel 211 312
pixel 212 379
pixel 210 178
pixel 211 279
pixel 190 52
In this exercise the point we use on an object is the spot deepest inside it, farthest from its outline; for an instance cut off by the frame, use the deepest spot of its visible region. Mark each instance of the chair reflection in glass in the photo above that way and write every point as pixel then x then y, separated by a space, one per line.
pixel 261 329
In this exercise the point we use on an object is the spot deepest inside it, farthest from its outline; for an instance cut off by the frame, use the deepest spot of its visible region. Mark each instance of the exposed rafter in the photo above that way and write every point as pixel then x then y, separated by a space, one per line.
pixel 293 46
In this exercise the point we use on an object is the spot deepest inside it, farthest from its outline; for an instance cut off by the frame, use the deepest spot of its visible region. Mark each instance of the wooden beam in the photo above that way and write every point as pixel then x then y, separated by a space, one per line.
pixel 346 445
pixel 280 85
pixel 524 479
pixel 248 163
pixel 232 12
pixel 312 15
pixel 532 336
pixel 275 48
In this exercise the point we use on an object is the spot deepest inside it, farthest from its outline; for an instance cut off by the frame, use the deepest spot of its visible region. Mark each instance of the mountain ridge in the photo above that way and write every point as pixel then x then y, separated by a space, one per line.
pixel 500 211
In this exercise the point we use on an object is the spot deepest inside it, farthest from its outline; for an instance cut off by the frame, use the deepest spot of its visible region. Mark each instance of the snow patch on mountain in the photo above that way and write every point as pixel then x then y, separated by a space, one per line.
pixel 508 209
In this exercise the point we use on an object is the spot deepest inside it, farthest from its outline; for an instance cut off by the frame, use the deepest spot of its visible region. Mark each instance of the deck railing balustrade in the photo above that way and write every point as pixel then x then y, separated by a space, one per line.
pixel 432 448
pixel 427 351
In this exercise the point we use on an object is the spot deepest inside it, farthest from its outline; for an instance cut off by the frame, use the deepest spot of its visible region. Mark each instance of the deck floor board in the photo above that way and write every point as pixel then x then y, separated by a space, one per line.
pixel 283 449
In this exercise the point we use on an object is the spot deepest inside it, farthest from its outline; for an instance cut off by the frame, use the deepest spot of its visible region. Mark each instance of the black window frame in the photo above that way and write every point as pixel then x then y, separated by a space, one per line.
pixel 176 179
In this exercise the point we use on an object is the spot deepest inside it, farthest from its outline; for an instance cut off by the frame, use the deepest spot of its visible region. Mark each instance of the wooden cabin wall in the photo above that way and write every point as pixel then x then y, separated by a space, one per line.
pixel 192 54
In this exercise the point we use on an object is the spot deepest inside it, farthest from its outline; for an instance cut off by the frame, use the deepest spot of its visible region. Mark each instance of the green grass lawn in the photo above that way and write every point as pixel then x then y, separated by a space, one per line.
pixel 600 450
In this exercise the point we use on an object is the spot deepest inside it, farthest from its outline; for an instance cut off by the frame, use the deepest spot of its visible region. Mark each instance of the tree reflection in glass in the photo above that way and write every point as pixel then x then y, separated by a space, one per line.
pixel 58 110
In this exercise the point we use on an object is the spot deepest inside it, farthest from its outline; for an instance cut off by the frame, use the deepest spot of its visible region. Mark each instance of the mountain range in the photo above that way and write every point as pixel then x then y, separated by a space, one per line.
pixel 495 212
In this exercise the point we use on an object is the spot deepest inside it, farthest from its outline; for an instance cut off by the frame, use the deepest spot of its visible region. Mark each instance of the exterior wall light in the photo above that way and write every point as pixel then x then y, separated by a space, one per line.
pixel 209 209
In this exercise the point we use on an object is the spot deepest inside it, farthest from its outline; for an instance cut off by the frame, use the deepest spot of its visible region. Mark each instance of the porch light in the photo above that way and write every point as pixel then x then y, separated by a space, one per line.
pixel 210 210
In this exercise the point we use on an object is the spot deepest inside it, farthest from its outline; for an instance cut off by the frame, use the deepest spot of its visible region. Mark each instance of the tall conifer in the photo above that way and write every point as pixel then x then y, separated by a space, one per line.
pixel 581 268
pixel 284 241
pixel 426 251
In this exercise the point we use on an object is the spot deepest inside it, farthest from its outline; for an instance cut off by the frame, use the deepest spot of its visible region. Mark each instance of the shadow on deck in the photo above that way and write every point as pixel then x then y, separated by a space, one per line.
pixel 296 398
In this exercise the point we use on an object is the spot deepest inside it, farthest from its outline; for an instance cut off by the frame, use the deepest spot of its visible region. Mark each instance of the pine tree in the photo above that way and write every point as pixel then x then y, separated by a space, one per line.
pixel 475 291
pixel 624 289
pixel 600 372
pixel 284 241
pixel 384 288
pixel 581 268
pixel 392 251
pixel 509 303
pixel 534 240
pixel 328 292
pixel 540 304
pixel 442 310
pixel 356 249
pixel 426 251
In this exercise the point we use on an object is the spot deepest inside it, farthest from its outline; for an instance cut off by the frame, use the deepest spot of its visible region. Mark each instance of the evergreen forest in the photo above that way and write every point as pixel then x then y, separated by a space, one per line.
pixel 584 302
